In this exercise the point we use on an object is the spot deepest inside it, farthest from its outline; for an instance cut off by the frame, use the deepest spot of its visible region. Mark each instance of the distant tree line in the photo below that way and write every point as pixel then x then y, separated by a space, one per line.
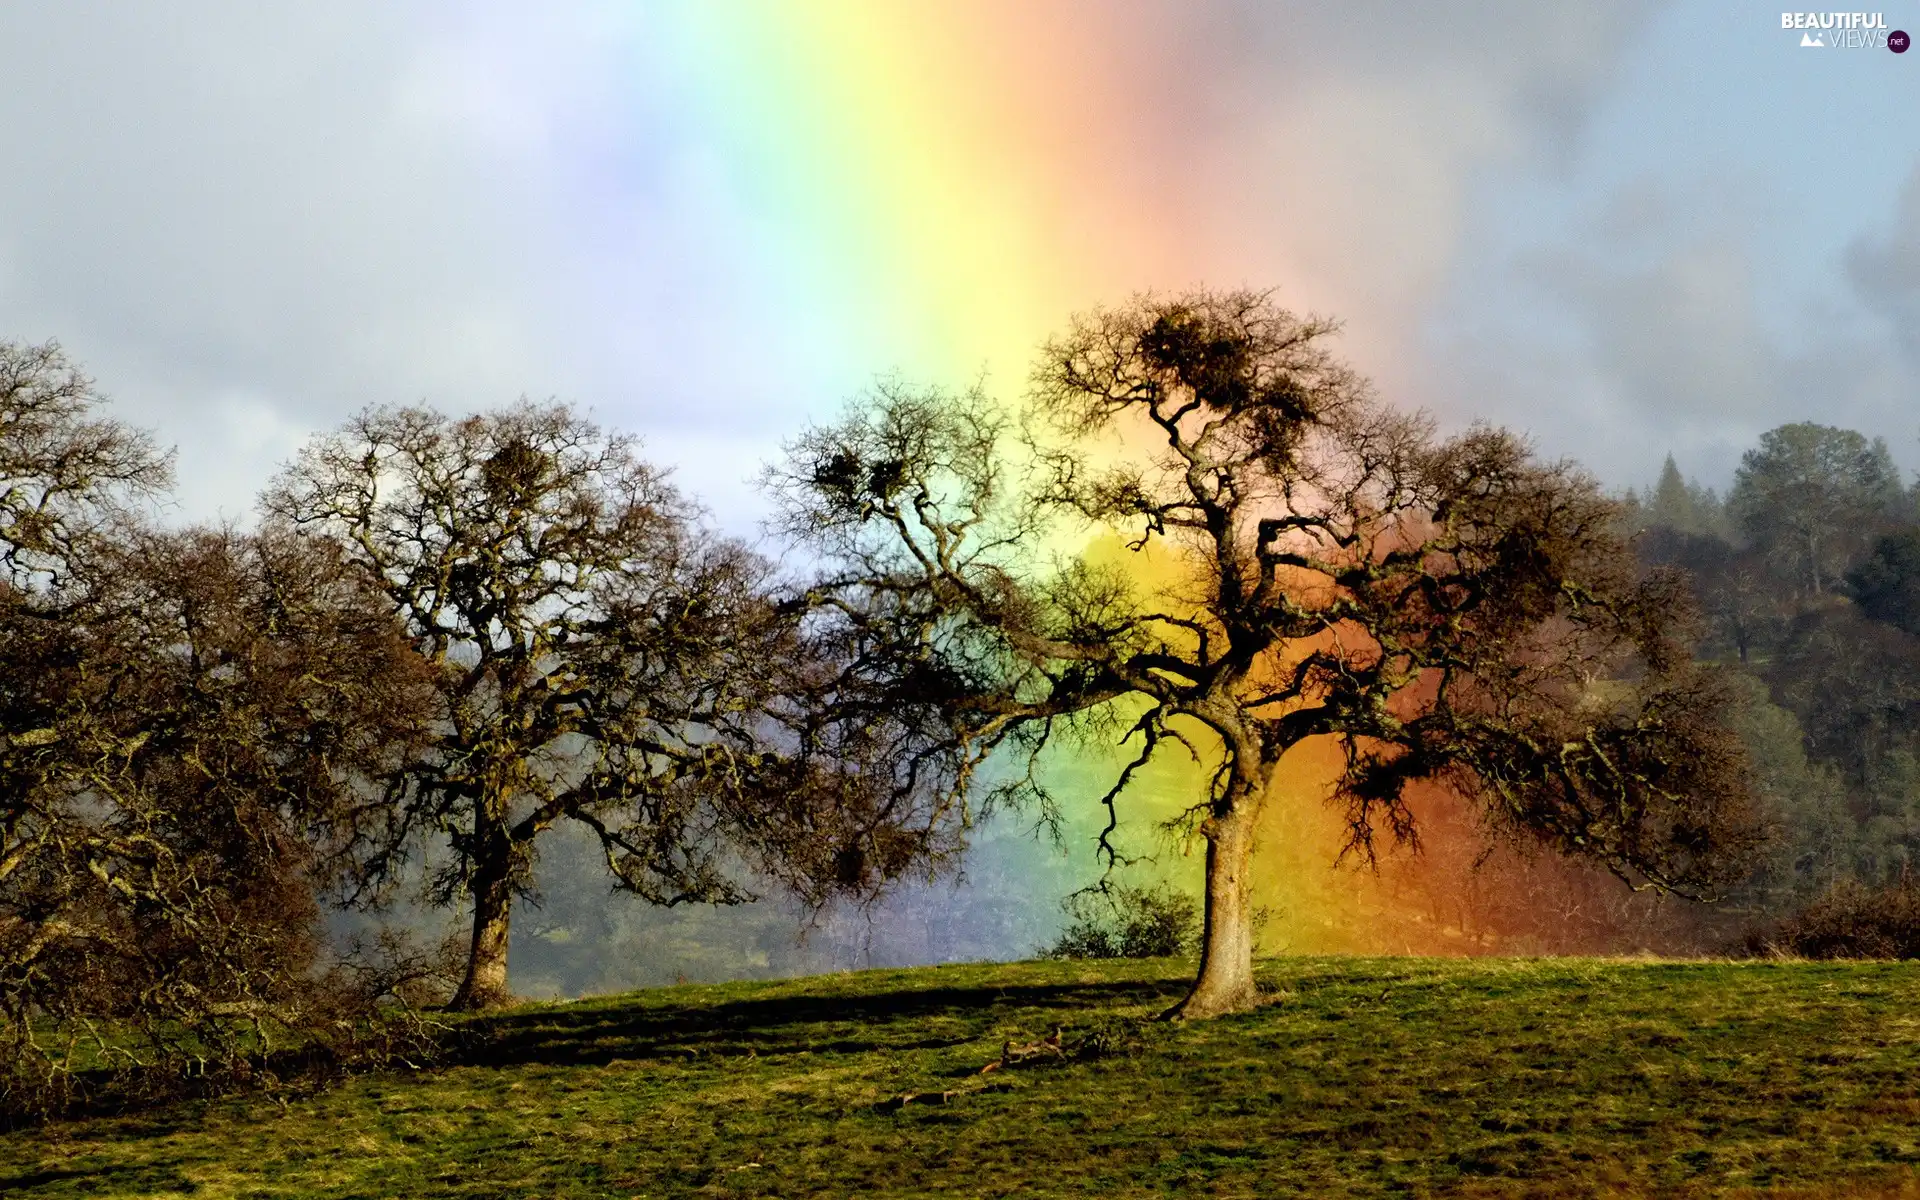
pixel 1808 575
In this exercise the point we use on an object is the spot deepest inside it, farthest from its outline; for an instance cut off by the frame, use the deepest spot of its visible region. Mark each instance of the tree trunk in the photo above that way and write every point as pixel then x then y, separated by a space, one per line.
pixel 485 985
pixel 1225 983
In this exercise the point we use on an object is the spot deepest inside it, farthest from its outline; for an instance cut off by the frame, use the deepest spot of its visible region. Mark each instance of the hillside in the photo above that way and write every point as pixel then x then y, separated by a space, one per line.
pixel 1363 1077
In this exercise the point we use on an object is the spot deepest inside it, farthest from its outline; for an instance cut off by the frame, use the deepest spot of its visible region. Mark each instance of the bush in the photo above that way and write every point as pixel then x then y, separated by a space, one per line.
pixel 1126 922
pixel 1853 921
pixel 303 1029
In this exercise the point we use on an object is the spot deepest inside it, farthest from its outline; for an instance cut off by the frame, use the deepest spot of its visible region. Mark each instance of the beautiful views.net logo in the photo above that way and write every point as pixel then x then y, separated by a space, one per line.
pixel 1846 31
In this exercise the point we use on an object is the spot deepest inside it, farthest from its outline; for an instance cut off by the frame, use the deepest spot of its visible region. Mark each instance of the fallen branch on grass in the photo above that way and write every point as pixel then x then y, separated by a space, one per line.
pixel 1012 1055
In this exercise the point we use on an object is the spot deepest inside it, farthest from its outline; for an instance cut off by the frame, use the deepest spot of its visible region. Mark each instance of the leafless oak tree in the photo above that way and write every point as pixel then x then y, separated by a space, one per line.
pixel 596 656
pixel 180 712
pixel 1446 608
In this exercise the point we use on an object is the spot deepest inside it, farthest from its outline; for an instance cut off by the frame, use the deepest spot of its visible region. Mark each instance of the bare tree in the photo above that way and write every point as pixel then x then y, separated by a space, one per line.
pixel 596 656
pixel 179 712
pixel 1443 607
pixel 67 474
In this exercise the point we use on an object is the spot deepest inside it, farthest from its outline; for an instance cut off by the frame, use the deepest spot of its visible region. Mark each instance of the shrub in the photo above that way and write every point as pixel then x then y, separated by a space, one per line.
pixel 367 1010
pixel 1127 922
pixel 1853 921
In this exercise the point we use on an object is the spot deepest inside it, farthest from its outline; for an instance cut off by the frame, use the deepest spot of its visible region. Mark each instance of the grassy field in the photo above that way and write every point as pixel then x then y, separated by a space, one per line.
pixel 1362 1077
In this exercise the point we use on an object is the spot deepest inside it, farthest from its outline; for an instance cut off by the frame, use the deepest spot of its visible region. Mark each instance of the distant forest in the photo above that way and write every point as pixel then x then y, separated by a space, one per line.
pixel 1808 578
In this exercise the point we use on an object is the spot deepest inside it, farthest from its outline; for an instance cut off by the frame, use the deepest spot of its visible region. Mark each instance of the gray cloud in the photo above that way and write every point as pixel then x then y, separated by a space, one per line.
pixel 1650 327
pixel 1346 141
pixel 249 221
pixel 1885 270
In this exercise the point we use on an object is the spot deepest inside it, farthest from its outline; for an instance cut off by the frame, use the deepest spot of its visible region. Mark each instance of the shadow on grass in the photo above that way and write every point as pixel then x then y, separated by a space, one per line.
pixel 157 1100
pixel 143 1179
pixel 854 1024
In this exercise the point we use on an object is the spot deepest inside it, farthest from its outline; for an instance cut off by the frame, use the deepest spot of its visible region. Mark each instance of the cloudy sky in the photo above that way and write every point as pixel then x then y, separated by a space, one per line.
pixel 1628 228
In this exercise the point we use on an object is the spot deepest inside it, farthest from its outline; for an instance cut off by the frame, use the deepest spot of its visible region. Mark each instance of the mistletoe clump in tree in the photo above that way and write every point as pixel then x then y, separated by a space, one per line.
pixel 1444 608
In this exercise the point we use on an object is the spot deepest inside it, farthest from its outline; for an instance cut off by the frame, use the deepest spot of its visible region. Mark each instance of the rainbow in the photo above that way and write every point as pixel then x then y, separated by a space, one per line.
pixel 950 185
pixel 944 178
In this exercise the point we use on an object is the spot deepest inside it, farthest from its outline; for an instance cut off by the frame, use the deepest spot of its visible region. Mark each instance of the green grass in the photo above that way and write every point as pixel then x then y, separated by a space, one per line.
pixel 1363 1077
